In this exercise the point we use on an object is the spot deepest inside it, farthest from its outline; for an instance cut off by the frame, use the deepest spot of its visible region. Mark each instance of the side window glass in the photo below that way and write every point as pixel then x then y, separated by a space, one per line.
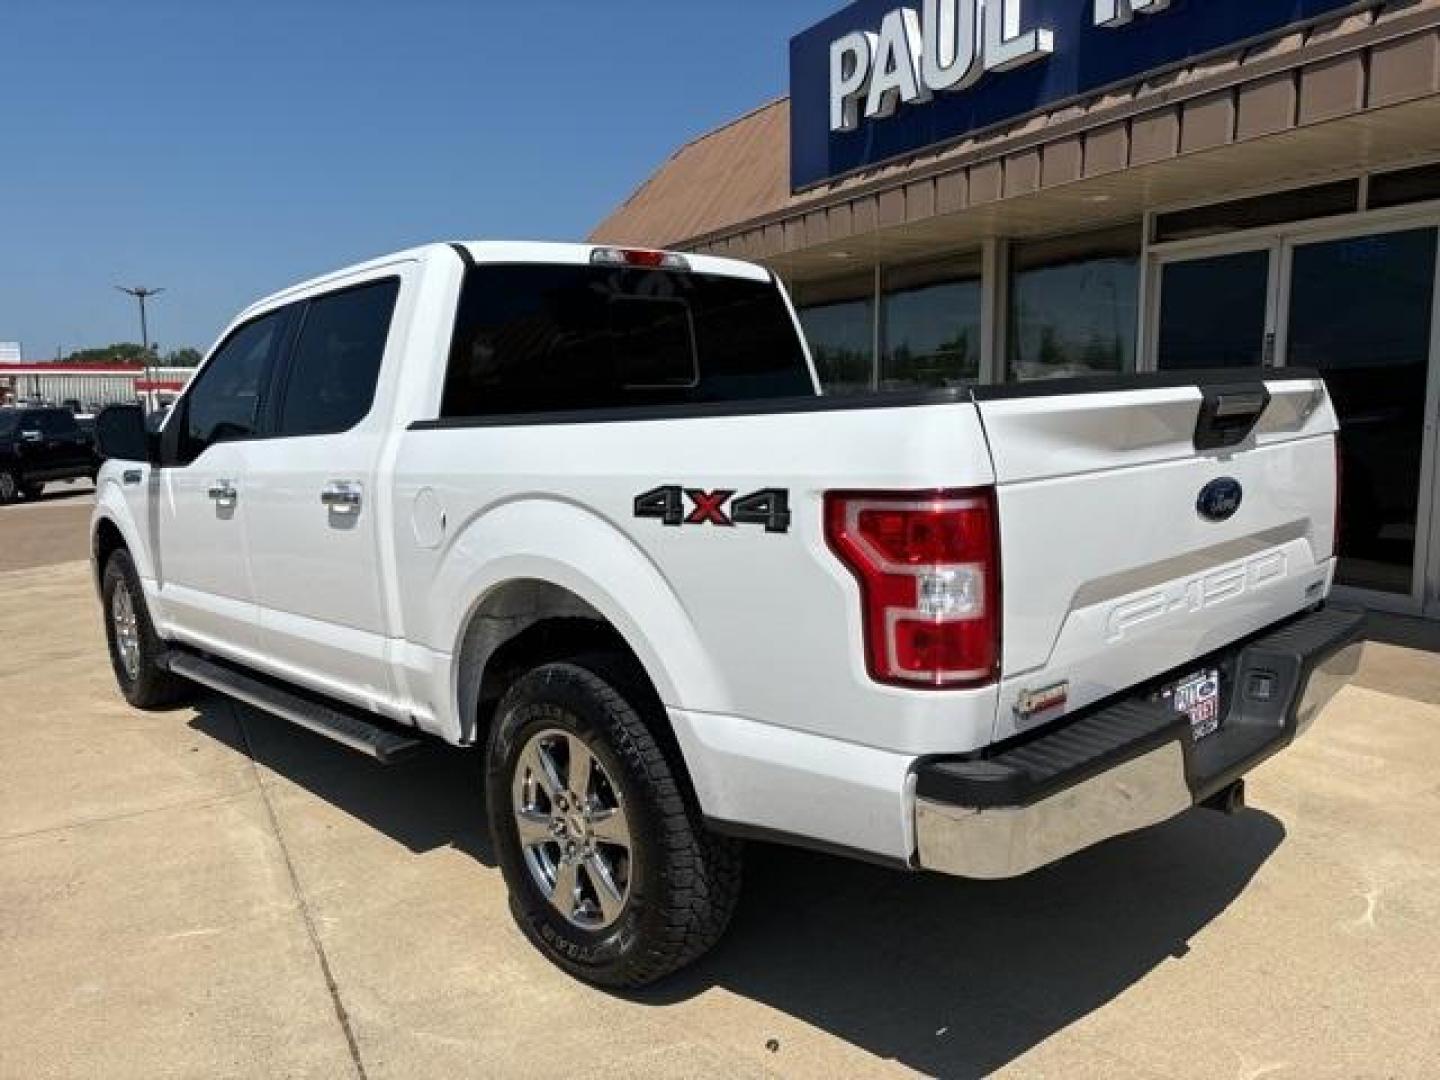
pixel 60 424
pixel 336 361
pixel 225 401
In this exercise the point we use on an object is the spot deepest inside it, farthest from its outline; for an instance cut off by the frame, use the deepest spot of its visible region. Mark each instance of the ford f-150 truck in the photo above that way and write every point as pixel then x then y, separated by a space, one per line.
pixel 586 511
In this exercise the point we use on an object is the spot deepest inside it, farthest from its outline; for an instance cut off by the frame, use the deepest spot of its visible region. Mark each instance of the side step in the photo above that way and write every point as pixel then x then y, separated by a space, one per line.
pixel 334 721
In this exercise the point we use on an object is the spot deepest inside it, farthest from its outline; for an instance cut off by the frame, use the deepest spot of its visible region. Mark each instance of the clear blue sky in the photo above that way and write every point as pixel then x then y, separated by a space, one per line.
pixel 224 148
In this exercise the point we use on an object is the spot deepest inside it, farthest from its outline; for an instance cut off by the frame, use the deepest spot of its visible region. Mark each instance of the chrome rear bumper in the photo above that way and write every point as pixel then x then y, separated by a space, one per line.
pixel 1132 764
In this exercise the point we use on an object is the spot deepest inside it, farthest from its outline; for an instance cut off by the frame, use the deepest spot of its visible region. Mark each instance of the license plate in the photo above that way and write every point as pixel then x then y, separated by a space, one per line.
pixel 1198 699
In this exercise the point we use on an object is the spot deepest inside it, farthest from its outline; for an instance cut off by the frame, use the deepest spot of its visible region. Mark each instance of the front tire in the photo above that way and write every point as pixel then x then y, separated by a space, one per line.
pixel 611 872
pixel 32 491
pixel 136 651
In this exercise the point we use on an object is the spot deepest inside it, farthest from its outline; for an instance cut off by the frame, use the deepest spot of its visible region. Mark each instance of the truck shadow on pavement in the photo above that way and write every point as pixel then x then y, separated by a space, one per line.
pixel 958 978
pixel 948 977
pixel 430 801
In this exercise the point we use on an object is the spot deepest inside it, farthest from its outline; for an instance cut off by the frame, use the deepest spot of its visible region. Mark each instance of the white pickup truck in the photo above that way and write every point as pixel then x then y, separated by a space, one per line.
pixel 585 510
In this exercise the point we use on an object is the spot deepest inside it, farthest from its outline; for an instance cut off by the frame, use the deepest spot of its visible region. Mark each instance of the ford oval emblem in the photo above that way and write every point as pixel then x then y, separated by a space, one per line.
pixel 1220 499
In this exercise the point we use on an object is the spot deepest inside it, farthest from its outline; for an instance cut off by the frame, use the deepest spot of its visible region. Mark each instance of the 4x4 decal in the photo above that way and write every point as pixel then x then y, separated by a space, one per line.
pixel 768 507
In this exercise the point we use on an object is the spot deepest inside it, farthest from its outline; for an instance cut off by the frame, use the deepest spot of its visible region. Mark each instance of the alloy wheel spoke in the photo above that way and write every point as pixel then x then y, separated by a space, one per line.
pixel 537 761
pixel 610 895
pixel 581 771
pixel 565 895
pixel 534 827
pixel 610 827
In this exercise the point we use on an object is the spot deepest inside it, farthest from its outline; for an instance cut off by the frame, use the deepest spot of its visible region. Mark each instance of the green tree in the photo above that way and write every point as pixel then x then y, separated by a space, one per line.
pixel 186 357
pixel 123 351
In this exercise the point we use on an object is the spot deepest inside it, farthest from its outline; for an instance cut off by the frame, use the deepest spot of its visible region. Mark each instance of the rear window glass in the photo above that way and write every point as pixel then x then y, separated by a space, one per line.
pixel 545 338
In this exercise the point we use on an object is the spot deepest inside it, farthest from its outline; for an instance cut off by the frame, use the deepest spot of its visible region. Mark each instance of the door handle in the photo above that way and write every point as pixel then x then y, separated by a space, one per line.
pixel 342 496
pixel 224 493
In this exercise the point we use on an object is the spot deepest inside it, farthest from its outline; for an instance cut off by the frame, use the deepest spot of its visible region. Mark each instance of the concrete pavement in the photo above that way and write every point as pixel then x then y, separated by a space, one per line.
pixel 208 892
pixel 48 531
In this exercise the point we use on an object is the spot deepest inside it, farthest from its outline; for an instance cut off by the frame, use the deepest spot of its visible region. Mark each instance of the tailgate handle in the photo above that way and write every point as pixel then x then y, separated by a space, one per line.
pixel 1229 414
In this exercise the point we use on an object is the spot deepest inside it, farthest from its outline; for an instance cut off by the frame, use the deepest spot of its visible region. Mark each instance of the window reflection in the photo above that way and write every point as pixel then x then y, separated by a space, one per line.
pixel 838 317
pixel 931 330
pixel 1073 305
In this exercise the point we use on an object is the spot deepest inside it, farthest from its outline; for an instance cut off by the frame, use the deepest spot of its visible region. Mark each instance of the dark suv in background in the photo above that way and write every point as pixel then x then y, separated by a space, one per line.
pixel 40 445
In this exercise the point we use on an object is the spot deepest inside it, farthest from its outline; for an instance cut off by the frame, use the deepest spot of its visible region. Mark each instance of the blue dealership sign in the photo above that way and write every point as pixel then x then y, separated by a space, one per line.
pixel 885 78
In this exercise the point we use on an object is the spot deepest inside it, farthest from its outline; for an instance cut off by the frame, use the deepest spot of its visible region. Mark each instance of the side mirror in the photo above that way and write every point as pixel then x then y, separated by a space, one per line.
pixel 120 432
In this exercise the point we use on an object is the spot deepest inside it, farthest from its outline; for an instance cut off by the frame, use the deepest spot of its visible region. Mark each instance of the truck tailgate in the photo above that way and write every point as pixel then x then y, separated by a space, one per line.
pixel 1123 556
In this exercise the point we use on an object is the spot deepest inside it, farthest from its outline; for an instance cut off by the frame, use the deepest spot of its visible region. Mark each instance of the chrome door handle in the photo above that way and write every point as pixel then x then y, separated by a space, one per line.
pixel 224 493
pixel 342 496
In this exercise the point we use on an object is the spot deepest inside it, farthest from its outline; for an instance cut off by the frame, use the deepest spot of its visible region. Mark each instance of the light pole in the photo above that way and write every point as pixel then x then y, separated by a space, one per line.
pixel 141 293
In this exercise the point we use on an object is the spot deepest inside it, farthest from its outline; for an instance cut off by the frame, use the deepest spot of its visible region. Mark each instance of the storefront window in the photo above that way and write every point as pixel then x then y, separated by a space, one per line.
pixel 1074 305
pixel 838 317
pixel 1212 312
pixel 931 327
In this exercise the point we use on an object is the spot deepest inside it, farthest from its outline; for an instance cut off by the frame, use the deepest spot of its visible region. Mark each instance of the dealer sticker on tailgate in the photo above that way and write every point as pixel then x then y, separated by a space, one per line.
pixel 1197 697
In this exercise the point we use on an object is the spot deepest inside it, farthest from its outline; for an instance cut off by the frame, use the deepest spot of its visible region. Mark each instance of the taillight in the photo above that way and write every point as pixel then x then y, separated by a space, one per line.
pixel 639 257
pixel 928 567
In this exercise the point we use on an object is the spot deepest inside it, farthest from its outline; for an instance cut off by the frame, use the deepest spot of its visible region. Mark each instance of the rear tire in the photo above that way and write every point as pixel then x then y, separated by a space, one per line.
pixel 136 652
pixel 645 889
pixel 32 491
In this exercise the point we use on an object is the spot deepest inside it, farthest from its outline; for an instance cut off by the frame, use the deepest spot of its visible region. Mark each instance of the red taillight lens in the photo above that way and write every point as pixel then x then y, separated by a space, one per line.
pixel 928 567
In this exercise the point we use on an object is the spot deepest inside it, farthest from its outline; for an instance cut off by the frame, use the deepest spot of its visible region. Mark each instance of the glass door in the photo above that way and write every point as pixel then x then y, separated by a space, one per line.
pixel 1214 310
pixel 1360 309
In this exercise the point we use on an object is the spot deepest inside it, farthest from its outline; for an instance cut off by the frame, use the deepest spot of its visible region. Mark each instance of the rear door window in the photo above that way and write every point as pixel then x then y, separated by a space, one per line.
pixel 548 338
pixel 335 365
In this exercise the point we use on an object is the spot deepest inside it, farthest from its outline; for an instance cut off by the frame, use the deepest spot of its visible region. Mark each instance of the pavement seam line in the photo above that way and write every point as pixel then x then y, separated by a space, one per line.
pixel 306 915
pixel 86 823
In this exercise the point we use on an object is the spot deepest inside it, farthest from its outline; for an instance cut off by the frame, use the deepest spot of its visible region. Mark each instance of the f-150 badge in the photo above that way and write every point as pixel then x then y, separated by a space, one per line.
pixel 675 506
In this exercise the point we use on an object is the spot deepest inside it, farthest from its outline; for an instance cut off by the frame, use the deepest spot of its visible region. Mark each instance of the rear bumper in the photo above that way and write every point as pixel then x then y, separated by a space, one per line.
pixel 1130 764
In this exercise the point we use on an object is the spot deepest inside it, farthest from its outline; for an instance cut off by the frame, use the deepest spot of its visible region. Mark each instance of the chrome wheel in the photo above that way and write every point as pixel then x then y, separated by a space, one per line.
pixel 573 830
pixel 7 487
pixel 127 630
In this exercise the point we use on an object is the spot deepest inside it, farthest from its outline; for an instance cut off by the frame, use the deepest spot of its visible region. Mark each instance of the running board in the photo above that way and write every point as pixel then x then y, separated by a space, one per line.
pixel 335 721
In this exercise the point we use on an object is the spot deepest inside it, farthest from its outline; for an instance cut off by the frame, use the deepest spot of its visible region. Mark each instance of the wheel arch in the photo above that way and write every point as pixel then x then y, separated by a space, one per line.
pixel 112 528
pixel 561 562
pixel 524 623
pixel 105 539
